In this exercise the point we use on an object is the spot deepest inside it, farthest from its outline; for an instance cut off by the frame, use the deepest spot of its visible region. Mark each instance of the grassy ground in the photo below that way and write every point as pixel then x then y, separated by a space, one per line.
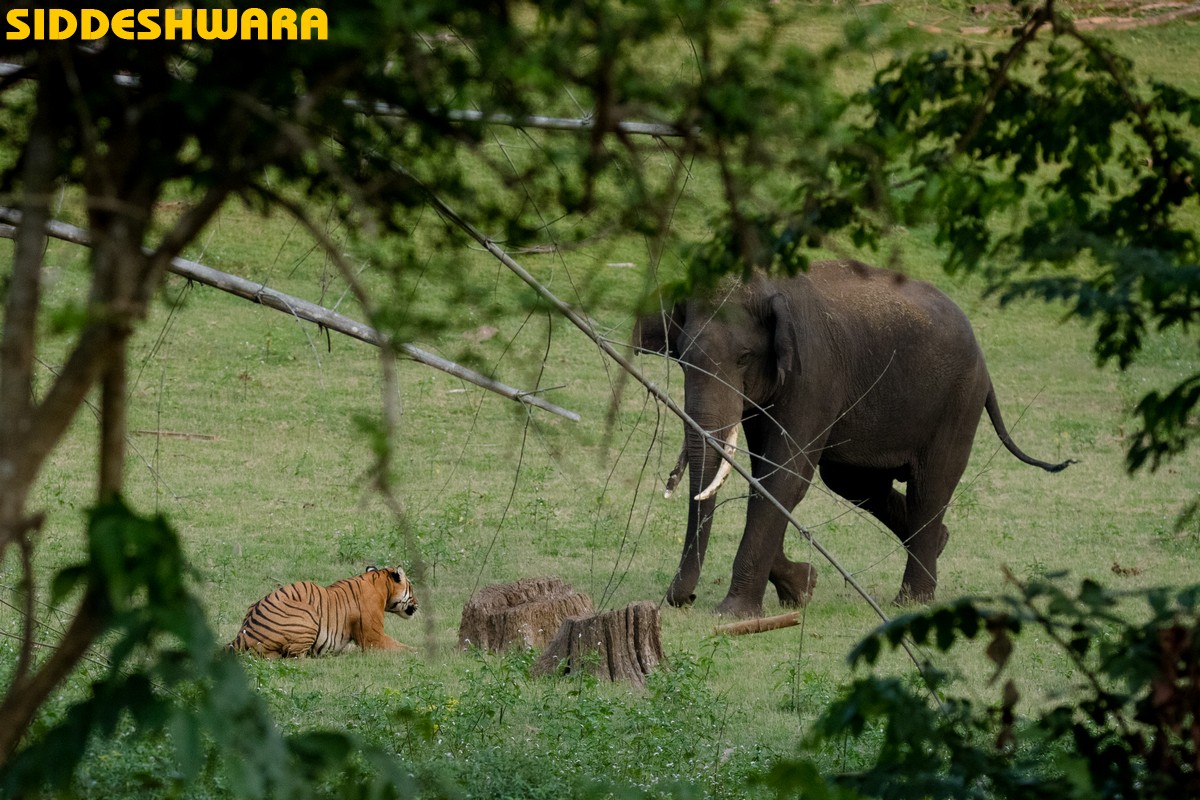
pixel 245 436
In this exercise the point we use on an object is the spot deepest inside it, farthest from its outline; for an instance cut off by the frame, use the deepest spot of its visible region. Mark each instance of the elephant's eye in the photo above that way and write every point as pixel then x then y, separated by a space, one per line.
pixel 745 357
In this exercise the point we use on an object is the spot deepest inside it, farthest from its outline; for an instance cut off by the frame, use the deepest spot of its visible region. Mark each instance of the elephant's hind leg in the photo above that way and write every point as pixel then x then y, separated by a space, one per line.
pixel 930 491
pixel 925 542
pixel 794 581
pixel 915 519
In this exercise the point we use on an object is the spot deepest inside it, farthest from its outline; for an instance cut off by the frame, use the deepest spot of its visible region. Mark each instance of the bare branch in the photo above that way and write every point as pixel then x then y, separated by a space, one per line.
pixel 576 124
pixel 300 309
pixel 1042 16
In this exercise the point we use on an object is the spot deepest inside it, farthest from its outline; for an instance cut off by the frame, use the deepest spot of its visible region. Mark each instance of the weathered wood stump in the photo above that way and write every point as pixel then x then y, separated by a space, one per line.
pixel 623 644
pixel 521 614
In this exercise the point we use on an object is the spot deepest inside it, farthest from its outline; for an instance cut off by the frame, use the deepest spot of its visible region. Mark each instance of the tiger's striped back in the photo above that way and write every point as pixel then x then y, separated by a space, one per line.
pixel 303 619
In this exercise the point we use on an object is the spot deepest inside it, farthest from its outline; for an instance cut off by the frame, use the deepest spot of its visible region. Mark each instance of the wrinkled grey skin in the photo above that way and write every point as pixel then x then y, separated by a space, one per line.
pixel 866 375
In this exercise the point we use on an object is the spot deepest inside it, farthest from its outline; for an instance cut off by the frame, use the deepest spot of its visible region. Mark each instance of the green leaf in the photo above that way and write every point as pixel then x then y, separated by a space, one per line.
pixel 184 729
pixel 66 581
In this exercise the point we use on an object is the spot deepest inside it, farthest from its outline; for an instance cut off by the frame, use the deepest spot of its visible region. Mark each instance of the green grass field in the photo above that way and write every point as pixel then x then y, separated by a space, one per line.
pixel 244 434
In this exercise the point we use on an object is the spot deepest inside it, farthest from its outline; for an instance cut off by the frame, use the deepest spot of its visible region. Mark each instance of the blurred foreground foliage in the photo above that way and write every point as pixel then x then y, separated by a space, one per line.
pixel 1124 725
pixel 165 672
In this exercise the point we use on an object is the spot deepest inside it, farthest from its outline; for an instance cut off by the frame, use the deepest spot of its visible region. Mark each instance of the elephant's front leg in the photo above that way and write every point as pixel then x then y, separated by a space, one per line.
pixel 760 557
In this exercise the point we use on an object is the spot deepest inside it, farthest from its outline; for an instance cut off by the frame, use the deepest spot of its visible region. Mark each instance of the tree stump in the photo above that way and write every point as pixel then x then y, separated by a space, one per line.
pixel 623 644
pixel 522 614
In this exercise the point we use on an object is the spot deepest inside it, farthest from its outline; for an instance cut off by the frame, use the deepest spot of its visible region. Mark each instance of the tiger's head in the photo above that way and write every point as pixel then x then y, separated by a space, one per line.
pixel 400 598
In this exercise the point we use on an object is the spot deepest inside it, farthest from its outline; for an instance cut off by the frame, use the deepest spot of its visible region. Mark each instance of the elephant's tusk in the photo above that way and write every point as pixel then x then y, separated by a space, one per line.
pixel 724 470
pixel 677 473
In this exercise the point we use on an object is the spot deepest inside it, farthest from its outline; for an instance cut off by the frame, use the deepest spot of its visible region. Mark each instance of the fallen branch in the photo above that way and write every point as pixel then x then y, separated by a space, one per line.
pixel 1138 16
pixel 202 437
pixel 300 309
pixel 758 625
pixel 583 124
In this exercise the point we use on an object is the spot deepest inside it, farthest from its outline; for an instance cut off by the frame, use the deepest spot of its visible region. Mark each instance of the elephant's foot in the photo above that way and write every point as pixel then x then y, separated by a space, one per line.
pixel 739 607
pixel 795 583
pixel 914 596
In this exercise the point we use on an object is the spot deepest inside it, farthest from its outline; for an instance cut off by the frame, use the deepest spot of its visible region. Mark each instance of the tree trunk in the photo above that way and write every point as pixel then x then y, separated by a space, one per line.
pixel 521 614
pixel 623 644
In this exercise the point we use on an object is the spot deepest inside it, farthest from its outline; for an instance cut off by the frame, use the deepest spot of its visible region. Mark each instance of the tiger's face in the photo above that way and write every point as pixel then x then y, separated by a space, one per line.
pixel 401 599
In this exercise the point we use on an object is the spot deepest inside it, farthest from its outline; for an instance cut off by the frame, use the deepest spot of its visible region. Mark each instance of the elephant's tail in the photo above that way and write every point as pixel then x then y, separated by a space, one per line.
pixel 993 410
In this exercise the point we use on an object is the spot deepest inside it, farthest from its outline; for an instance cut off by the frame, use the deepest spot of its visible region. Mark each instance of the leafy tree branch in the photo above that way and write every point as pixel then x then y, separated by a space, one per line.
pixel 1125 727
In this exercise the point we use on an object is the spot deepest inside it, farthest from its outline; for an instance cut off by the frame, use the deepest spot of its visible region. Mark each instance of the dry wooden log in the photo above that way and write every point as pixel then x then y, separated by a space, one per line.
pixel 523 614
pixel 620 645
pixel 759 624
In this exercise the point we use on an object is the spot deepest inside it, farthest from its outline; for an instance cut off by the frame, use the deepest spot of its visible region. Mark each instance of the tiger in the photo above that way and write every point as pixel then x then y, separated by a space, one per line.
pixel 304 619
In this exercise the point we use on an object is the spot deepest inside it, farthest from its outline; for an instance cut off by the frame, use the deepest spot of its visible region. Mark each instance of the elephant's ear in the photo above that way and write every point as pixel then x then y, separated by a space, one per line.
pixel 786 339
pixel 659 332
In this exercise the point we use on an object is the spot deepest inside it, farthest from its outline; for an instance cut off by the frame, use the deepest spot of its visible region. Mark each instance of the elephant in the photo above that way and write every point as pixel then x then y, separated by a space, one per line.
pixel 864 374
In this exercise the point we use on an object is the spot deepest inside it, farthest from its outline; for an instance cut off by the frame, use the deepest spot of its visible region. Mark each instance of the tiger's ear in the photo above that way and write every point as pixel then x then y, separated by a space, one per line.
pixel 397 575
pixel 372 569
